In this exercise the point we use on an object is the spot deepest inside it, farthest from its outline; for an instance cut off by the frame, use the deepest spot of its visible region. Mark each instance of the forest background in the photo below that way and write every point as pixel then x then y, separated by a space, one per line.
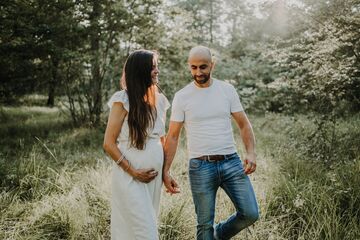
pixel 295 65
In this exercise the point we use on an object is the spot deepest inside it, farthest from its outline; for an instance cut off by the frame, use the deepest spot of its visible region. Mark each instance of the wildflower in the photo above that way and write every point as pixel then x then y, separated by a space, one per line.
pixel 298 202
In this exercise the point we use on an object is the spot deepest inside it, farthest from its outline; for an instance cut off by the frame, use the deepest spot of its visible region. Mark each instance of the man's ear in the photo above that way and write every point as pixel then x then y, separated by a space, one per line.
pixel 212 65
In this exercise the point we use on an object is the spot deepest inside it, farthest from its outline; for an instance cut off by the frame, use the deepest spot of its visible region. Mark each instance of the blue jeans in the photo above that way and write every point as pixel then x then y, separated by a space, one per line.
pixel 205 179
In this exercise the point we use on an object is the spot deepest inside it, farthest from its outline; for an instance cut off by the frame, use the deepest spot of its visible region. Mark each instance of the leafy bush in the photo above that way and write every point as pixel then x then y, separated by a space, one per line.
pixel 317 190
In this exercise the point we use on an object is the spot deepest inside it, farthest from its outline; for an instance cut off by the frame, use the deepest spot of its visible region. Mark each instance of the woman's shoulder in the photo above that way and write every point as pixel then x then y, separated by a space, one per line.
pixel 119 96
pixel 163 101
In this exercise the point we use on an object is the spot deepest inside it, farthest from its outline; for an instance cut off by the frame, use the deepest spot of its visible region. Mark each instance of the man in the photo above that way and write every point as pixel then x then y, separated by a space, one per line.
pixel 205 107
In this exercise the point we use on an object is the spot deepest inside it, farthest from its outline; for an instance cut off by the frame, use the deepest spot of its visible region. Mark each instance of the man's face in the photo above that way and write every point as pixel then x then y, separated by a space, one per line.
pixel 200 69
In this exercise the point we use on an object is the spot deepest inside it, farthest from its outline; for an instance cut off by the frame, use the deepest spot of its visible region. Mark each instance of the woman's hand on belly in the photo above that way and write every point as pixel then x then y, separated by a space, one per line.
pixel 144 175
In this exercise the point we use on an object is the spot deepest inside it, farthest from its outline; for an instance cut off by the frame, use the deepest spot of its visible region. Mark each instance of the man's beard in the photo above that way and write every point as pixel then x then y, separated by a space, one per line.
pixel 204 80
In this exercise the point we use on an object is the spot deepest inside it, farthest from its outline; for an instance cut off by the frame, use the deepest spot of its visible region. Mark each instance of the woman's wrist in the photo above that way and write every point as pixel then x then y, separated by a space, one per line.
pixel 125 164
pixel 130 170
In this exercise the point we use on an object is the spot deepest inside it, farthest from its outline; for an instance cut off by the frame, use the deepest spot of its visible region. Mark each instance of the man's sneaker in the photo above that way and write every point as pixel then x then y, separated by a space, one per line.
pixel 215 233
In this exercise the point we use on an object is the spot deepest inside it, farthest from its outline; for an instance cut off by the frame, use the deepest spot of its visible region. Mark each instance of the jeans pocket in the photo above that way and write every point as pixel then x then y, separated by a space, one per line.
pixel 195 163
pixel 237 164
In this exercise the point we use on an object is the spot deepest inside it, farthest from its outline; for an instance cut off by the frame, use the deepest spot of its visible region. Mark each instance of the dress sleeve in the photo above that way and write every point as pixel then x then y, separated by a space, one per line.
pixel 161 120
pixel 119 96
pixel 166 102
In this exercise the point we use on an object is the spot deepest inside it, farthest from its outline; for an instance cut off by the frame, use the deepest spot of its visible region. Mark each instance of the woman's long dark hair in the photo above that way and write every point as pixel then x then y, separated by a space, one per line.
pixel 141 92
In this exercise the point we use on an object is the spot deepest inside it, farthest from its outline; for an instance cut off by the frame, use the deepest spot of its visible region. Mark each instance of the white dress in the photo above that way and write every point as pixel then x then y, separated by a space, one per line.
pixel 135 205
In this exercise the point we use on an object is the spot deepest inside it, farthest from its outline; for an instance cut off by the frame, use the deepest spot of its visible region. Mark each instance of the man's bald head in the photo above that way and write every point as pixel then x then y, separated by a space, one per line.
pixel 201 65
pixel 200 53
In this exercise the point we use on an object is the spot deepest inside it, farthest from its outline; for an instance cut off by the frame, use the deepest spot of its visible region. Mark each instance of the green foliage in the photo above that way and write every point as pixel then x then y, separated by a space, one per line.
pixel 327 140
pixel 316 191
pixel 174 45
pixel 322 63
pixel 35 38
pixel 282 57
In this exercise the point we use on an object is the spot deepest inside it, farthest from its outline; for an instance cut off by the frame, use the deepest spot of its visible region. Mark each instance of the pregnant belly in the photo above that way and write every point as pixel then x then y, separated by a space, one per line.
pixel 151 157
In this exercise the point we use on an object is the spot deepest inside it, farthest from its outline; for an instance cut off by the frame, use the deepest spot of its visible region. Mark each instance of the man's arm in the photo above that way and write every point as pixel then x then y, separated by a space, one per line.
pixel 171 143
pixel 248 138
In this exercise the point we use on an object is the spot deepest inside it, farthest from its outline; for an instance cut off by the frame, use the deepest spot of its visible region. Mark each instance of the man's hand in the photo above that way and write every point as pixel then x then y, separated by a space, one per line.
pixel 247 136
pixel 170 184
pixel 144 175
pixel 250 163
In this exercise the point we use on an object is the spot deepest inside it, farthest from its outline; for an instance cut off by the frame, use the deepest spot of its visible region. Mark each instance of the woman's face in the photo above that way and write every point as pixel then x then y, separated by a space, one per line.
pixel 155 72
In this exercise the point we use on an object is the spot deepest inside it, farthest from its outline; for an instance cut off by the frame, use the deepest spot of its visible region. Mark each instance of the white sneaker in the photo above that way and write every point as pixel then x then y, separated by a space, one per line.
pixel 215 234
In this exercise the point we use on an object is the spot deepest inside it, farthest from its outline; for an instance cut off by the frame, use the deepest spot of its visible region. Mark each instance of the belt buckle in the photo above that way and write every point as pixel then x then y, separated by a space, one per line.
pixel 209 160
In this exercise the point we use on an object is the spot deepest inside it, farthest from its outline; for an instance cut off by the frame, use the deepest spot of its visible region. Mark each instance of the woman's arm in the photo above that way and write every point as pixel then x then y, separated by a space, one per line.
pixel 113 128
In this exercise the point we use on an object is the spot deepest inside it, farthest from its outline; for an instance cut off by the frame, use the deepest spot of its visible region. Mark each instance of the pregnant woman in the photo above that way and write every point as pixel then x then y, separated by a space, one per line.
pixel 134 139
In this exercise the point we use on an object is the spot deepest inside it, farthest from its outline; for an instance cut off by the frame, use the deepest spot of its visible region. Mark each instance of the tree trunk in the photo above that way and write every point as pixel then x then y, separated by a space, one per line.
pixel 96 79
pixel 53 82
pixel 211 20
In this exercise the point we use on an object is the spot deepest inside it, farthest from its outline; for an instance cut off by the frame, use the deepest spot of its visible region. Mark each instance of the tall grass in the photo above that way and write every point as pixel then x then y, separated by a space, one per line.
pixel 55 182
pixel 317 191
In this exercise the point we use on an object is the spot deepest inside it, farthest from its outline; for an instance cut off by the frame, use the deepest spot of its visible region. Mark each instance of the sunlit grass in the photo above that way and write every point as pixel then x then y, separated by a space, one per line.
pixel 56 184
pixel 315 198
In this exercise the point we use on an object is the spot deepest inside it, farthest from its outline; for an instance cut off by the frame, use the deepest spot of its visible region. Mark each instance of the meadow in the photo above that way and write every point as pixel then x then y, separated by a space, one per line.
pixel 295 64
pixel 55 179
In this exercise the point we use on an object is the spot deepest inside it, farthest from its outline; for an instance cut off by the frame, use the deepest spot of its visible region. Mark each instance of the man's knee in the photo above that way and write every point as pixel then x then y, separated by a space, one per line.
pixel 250 216
pixel 204 215
pixel 205 221
pixel 205 226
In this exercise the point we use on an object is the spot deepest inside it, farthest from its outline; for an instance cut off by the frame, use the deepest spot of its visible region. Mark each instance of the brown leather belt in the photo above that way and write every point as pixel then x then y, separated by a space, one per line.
pixel 214 157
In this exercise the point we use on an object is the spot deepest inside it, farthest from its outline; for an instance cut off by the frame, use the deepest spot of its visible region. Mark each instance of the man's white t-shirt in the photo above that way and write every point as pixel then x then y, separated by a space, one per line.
pixel 206 113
